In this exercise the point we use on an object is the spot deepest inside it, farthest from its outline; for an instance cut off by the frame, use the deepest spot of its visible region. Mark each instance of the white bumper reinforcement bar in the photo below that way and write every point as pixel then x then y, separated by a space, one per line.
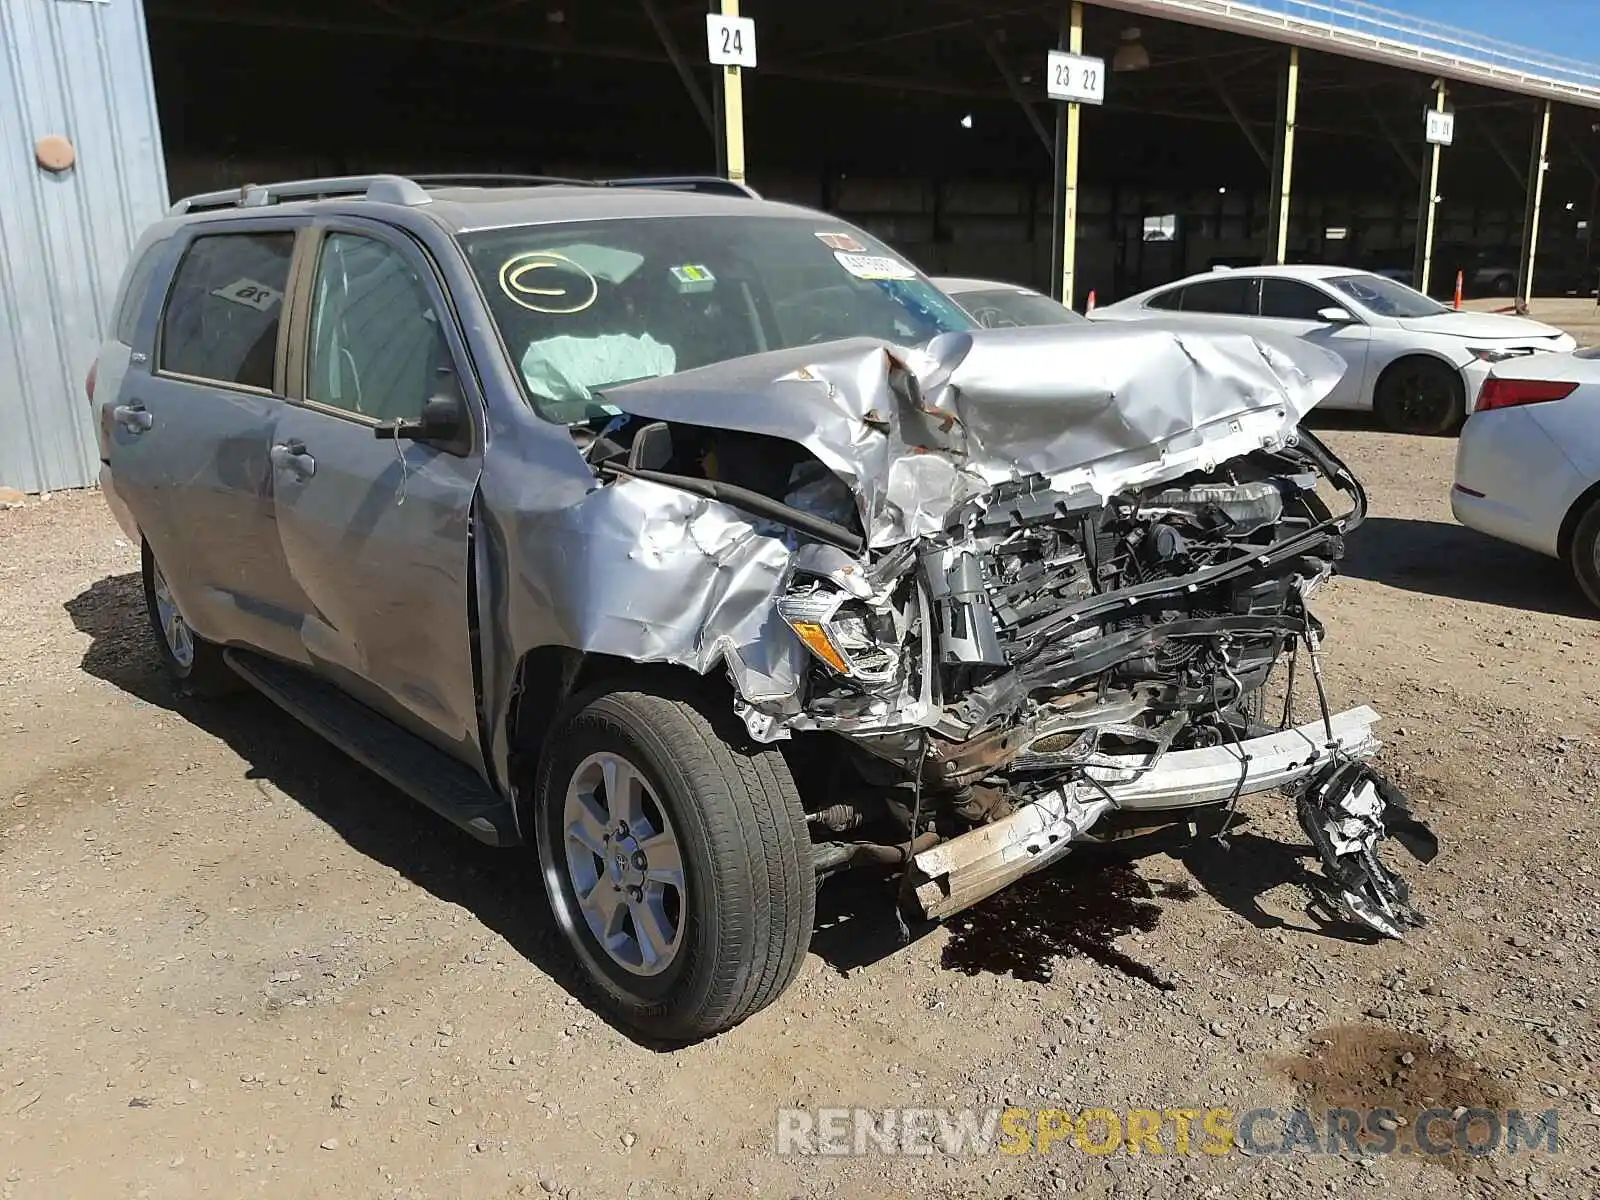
pixel 966 869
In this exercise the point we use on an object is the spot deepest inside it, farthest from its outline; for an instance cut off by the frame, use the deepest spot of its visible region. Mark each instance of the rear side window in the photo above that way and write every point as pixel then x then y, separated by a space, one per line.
pixel 1168 301
pixel 222 316
pixel 135 294
pixel 1219 296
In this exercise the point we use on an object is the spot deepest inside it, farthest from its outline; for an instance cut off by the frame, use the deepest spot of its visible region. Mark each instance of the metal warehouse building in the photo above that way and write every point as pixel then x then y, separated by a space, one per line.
pixel 1228 133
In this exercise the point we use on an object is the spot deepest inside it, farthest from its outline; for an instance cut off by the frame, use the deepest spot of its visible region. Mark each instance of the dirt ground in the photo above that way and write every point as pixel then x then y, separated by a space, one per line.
pixel 233 963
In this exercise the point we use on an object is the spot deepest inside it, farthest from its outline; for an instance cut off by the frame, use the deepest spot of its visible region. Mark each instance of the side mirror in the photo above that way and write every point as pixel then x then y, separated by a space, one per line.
pixel 652 448
pixel 1336 315
pixel 443 421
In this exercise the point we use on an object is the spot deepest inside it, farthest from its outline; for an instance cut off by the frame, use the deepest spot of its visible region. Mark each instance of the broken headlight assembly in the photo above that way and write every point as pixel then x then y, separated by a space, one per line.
pixel 849 636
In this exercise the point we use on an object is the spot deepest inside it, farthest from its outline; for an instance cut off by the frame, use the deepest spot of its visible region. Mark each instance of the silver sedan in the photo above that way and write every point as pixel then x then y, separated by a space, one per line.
pixel 996 305
pixel 1410 359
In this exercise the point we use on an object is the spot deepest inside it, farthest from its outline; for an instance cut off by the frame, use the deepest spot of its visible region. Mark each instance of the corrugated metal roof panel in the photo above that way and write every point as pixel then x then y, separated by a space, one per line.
pixel 80 68
pixel 1360 30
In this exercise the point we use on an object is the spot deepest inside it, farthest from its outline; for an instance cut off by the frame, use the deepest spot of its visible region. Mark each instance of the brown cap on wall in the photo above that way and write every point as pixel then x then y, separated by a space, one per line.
pixel 54 152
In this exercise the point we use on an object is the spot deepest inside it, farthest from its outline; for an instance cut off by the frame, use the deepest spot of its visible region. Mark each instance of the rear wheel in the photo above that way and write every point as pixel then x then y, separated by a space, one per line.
pixel 677 860
pixel 195 665
pixel 1421 396
pixel 1583 554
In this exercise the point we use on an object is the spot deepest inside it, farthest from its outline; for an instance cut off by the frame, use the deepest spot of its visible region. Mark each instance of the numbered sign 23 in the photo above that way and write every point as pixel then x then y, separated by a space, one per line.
pixel 731 41
pixel 1076 77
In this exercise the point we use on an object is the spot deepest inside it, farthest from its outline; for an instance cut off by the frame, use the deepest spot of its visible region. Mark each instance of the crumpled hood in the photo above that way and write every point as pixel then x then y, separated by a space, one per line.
pixel 914 432
pixel 1498 327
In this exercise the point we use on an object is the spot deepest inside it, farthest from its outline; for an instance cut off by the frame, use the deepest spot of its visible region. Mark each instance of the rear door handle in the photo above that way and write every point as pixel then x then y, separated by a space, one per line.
pixel 135 418
pixel 292 456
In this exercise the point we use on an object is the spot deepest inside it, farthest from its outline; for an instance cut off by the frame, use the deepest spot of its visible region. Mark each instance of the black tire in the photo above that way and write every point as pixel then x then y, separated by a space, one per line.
pixel 203 673
pixel 1503 285
pixel 1583 553
pixel 744 918
pixel 1421 396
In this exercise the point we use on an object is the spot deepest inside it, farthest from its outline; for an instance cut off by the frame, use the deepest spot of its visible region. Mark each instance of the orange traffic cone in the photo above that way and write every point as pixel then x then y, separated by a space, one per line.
pixel 1458 290
pixel 1089 307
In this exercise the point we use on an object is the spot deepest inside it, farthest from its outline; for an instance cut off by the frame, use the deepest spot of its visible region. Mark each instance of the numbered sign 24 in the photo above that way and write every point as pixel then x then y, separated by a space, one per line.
pixel 731 41
pixel 1076 77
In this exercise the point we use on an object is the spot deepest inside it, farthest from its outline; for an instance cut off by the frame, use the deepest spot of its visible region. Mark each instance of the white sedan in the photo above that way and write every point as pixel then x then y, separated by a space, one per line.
pixel 1528 465
pixel 1409 358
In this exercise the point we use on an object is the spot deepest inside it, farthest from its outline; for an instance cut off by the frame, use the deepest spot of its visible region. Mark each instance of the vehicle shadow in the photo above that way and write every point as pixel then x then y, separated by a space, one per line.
pixel 500 887
pixel 1438 558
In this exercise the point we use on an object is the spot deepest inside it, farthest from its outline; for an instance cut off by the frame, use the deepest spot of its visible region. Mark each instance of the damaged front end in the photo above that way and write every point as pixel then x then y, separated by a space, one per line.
pixel 1038 580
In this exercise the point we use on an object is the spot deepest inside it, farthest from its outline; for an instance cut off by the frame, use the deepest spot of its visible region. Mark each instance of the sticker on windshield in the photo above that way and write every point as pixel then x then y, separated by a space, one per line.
pixel 874 266
pixel 692 277
pixel 841 241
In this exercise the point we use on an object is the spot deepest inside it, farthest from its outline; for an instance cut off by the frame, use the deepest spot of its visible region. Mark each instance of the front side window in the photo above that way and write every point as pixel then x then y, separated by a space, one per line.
pixel 1291 300
pixel 590 305
pixel 222 316
pixel 1386 297
pixel 376 348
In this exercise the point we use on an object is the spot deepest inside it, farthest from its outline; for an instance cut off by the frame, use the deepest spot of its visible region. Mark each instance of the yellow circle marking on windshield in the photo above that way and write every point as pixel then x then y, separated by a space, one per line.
pixel 554 301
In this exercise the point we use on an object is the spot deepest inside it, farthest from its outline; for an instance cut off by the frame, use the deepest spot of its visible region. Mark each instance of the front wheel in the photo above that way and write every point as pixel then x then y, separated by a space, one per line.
pixel 1583 554
pixel 677 861
pixel 1421 396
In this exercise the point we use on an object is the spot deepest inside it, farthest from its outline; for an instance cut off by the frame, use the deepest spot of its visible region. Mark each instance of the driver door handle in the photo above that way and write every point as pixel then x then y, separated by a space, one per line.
pixel 292 456
pixel 135 418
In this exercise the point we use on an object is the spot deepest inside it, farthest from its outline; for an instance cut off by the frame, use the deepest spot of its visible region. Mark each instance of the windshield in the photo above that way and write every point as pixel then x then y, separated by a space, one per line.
pixel 1386 297
pixel 589 305
pixel 1004 308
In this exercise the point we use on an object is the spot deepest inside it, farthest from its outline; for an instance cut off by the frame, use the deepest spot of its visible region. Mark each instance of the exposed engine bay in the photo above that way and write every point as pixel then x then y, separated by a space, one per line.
pixel 1003 652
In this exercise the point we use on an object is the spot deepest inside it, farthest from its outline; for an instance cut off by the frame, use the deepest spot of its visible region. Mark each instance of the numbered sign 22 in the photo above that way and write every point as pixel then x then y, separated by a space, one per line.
pixel 1076 77
pixel 731 41
pixel 1440 127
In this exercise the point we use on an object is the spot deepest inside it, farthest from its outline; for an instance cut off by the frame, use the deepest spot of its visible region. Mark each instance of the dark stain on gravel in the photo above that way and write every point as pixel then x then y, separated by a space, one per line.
pixel 1074 908
pixel 1390 1078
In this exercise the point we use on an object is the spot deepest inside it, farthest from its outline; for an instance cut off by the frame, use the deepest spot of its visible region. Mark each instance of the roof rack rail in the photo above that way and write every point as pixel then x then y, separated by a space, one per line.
pixel 413 190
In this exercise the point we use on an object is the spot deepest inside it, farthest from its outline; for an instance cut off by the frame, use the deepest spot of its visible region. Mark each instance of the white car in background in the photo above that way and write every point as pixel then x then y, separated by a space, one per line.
pixel 1410 359
pixel 1528 465
pixel 996 305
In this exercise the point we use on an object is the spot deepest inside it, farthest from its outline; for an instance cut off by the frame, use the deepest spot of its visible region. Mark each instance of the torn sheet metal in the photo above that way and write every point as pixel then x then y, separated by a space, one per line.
pixel 1348 812
pixel 654 574
pixel 916 432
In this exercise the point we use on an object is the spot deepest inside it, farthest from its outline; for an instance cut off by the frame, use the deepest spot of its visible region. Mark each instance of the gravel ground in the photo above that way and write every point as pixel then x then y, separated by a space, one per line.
pixel 233 963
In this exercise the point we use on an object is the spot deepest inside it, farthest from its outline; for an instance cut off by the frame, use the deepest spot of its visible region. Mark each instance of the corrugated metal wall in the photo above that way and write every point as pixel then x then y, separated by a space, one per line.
pixel 80 68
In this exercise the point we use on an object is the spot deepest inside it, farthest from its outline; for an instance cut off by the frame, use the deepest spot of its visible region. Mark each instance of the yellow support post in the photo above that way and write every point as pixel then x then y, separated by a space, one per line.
pixel 1069 219
pixel 733 108
pixel 1537 168
pixel 1291 99
pixel 1431 204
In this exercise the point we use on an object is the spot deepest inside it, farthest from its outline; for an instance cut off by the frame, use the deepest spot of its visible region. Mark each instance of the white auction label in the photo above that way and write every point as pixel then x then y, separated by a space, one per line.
pixel 1076 77
pixel 1439 126
pixel 731 41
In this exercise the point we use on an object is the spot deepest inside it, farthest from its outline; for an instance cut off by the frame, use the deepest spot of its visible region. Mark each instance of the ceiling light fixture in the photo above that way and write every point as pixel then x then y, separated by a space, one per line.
pixel 1131 54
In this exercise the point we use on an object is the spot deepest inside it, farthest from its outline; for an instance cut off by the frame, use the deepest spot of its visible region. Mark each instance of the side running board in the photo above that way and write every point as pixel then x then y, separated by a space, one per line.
pixel 425 773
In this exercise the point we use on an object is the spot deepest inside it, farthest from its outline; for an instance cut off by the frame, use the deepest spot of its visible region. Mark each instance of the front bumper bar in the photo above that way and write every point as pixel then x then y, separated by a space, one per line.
pixel 969 868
